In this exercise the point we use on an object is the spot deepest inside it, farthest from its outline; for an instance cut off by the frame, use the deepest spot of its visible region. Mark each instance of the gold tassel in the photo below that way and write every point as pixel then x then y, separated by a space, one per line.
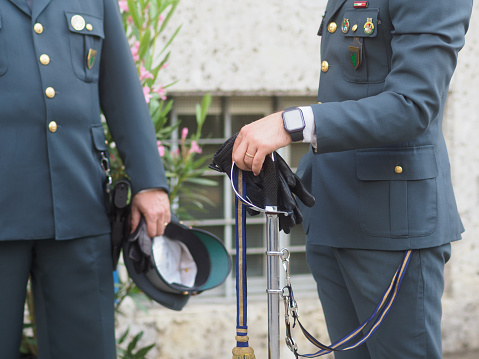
pixel 243 353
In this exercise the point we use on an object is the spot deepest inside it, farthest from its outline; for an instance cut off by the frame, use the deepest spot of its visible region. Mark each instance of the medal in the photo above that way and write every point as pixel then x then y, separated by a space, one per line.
pixel 369 26
pixel 345 26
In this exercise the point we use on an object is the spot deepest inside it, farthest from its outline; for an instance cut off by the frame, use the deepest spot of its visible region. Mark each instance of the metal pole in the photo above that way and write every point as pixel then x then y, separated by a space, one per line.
pixel 273 290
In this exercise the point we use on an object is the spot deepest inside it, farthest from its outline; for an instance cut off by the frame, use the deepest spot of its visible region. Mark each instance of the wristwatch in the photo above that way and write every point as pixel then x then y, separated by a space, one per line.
pixel 293 122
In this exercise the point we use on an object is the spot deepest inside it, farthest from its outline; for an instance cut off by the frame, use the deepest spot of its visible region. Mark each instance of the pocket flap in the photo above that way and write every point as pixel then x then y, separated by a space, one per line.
pixel 402 164
pixel 85 24
pixel 98 137
pixel 360 23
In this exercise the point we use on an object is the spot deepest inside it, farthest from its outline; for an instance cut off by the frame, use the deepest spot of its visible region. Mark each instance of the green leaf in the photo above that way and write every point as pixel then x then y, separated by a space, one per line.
pixel 141 353
pixel 134 13
pixel 145 43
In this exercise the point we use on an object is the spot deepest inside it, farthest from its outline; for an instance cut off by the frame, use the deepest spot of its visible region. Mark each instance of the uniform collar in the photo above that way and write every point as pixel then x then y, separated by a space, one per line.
pixel 331 9
pixel 38 7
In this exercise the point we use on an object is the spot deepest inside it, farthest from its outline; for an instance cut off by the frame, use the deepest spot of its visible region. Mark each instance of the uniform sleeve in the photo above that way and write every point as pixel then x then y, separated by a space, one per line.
pixel 125 108
pixel 426 38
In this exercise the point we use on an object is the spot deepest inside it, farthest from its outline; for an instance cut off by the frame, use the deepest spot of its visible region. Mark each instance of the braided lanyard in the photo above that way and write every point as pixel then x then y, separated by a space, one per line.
pixel 376 318
pixel 242 349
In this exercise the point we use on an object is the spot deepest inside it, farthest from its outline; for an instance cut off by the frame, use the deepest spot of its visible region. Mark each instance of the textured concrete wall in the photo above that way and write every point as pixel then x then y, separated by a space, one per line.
pixel 271 46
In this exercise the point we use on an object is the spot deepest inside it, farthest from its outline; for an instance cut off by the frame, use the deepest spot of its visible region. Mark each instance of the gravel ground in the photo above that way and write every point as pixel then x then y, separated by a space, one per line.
pixel 469 355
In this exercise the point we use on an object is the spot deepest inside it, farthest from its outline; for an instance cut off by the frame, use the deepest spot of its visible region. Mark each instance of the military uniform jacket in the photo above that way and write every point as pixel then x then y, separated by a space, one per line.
pixel 59 65
pixel 381 173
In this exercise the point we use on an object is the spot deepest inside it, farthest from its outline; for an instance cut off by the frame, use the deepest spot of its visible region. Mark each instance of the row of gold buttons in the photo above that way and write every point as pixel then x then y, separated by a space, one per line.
pixel 45 60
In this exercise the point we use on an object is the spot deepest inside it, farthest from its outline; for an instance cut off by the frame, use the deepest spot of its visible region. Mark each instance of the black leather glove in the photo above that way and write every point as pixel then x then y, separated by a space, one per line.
pixel 222 161
pixel 287 184
pixel 140 250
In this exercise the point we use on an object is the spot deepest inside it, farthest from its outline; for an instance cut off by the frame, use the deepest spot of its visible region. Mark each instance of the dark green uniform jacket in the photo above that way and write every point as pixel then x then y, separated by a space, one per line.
pixel 381 175
pixel 59 66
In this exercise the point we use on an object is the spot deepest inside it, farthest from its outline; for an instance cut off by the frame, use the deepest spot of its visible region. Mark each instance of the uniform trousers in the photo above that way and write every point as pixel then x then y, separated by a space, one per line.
pixel 351 283
pixel 73 293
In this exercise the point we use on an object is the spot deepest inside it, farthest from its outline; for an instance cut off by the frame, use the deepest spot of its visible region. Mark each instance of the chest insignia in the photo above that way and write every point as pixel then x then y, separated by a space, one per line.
pixel 345 26
pixel 369 26
pixel 355 53
pixel 78 22
pixel 90 60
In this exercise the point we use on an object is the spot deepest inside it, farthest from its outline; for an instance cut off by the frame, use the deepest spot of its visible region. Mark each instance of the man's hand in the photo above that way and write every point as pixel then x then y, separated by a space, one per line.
pixel 154 205
pixel 257 140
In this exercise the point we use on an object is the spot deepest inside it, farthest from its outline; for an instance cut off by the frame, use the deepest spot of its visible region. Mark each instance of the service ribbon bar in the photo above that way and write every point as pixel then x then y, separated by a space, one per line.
pixel 361 4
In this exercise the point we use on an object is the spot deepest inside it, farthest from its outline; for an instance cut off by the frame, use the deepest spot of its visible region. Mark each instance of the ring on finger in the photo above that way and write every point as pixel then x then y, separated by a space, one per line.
pixel 250 156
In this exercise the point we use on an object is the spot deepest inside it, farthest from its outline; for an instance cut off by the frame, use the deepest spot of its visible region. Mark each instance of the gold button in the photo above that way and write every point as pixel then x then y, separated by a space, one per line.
pixel 354 28
pixel 332 27
pixel 38 28
pixel 44 59
pixel 52 126
pixel 324 66
pixel 50 92
pixel 398 169
pixel 89 27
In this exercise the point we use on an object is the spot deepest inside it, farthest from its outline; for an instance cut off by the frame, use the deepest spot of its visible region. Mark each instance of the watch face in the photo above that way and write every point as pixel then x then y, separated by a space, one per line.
pixel 293 120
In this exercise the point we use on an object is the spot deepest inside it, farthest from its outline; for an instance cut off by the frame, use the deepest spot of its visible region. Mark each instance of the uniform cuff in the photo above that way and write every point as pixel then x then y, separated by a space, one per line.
pixel 309 132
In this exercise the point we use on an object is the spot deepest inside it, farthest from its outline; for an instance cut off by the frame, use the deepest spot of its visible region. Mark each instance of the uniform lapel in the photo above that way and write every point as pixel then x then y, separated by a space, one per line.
pixel 331 9
pixel 22 5
pixel 38 6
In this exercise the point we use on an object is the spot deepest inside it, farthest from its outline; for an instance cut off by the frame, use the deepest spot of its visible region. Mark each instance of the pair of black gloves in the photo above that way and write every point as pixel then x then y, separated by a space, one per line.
pixel 283 182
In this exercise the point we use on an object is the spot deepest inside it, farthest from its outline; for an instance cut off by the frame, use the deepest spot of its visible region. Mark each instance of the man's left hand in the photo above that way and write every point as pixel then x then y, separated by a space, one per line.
pixel 154 205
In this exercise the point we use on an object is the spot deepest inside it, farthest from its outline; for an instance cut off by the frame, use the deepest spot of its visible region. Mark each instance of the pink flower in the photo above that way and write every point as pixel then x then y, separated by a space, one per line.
pixel 145 74
pixel 161 149
pixel 164 66
pixel 195 148
pixel 161 18
pixel 123 5
pixel 146 92
pixel 160 91
pixel 184 133
pixel 134 51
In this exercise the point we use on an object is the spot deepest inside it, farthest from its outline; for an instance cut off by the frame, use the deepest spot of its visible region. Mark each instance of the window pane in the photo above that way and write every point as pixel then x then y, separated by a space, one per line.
pixel 255 265
pixel 298 264
pixel 192 201
pixel 298 150
pixel 239 121
pixel 297 236
pixel 213 127
pixel 254 236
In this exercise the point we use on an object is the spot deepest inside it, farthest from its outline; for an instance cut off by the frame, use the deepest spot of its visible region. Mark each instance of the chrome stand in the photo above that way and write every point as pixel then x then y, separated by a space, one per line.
pixel 273 291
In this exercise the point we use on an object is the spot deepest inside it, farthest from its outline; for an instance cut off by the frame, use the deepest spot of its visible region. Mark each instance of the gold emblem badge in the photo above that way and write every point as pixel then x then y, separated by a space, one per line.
pixel 345 26
pixel 90 60
pixel 78 22
pixel 369 26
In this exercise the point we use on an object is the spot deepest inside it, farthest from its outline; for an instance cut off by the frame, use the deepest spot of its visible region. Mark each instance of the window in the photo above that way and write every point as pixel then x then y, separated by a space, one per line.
pixel 226 116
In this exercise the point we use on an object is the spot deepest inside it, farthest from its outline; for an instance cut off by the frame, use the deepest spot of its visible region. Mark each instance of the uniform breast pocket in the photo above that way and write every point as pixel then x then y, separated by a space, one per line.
pixel 363 55
pixel 3 51
pixel 86 39
pixel 397 191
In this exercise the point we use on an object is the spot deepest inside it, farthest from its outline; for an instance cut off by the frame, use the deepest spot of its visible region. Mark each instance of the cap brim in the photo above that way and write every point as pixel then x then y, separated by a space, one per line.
pixel 220 260
pixel 169 300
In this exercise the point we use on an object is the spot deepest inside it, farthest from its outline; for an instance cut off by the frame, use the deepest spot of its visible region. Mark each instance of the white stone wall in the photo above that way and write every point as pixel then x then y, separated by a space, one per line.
pixel 271 46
